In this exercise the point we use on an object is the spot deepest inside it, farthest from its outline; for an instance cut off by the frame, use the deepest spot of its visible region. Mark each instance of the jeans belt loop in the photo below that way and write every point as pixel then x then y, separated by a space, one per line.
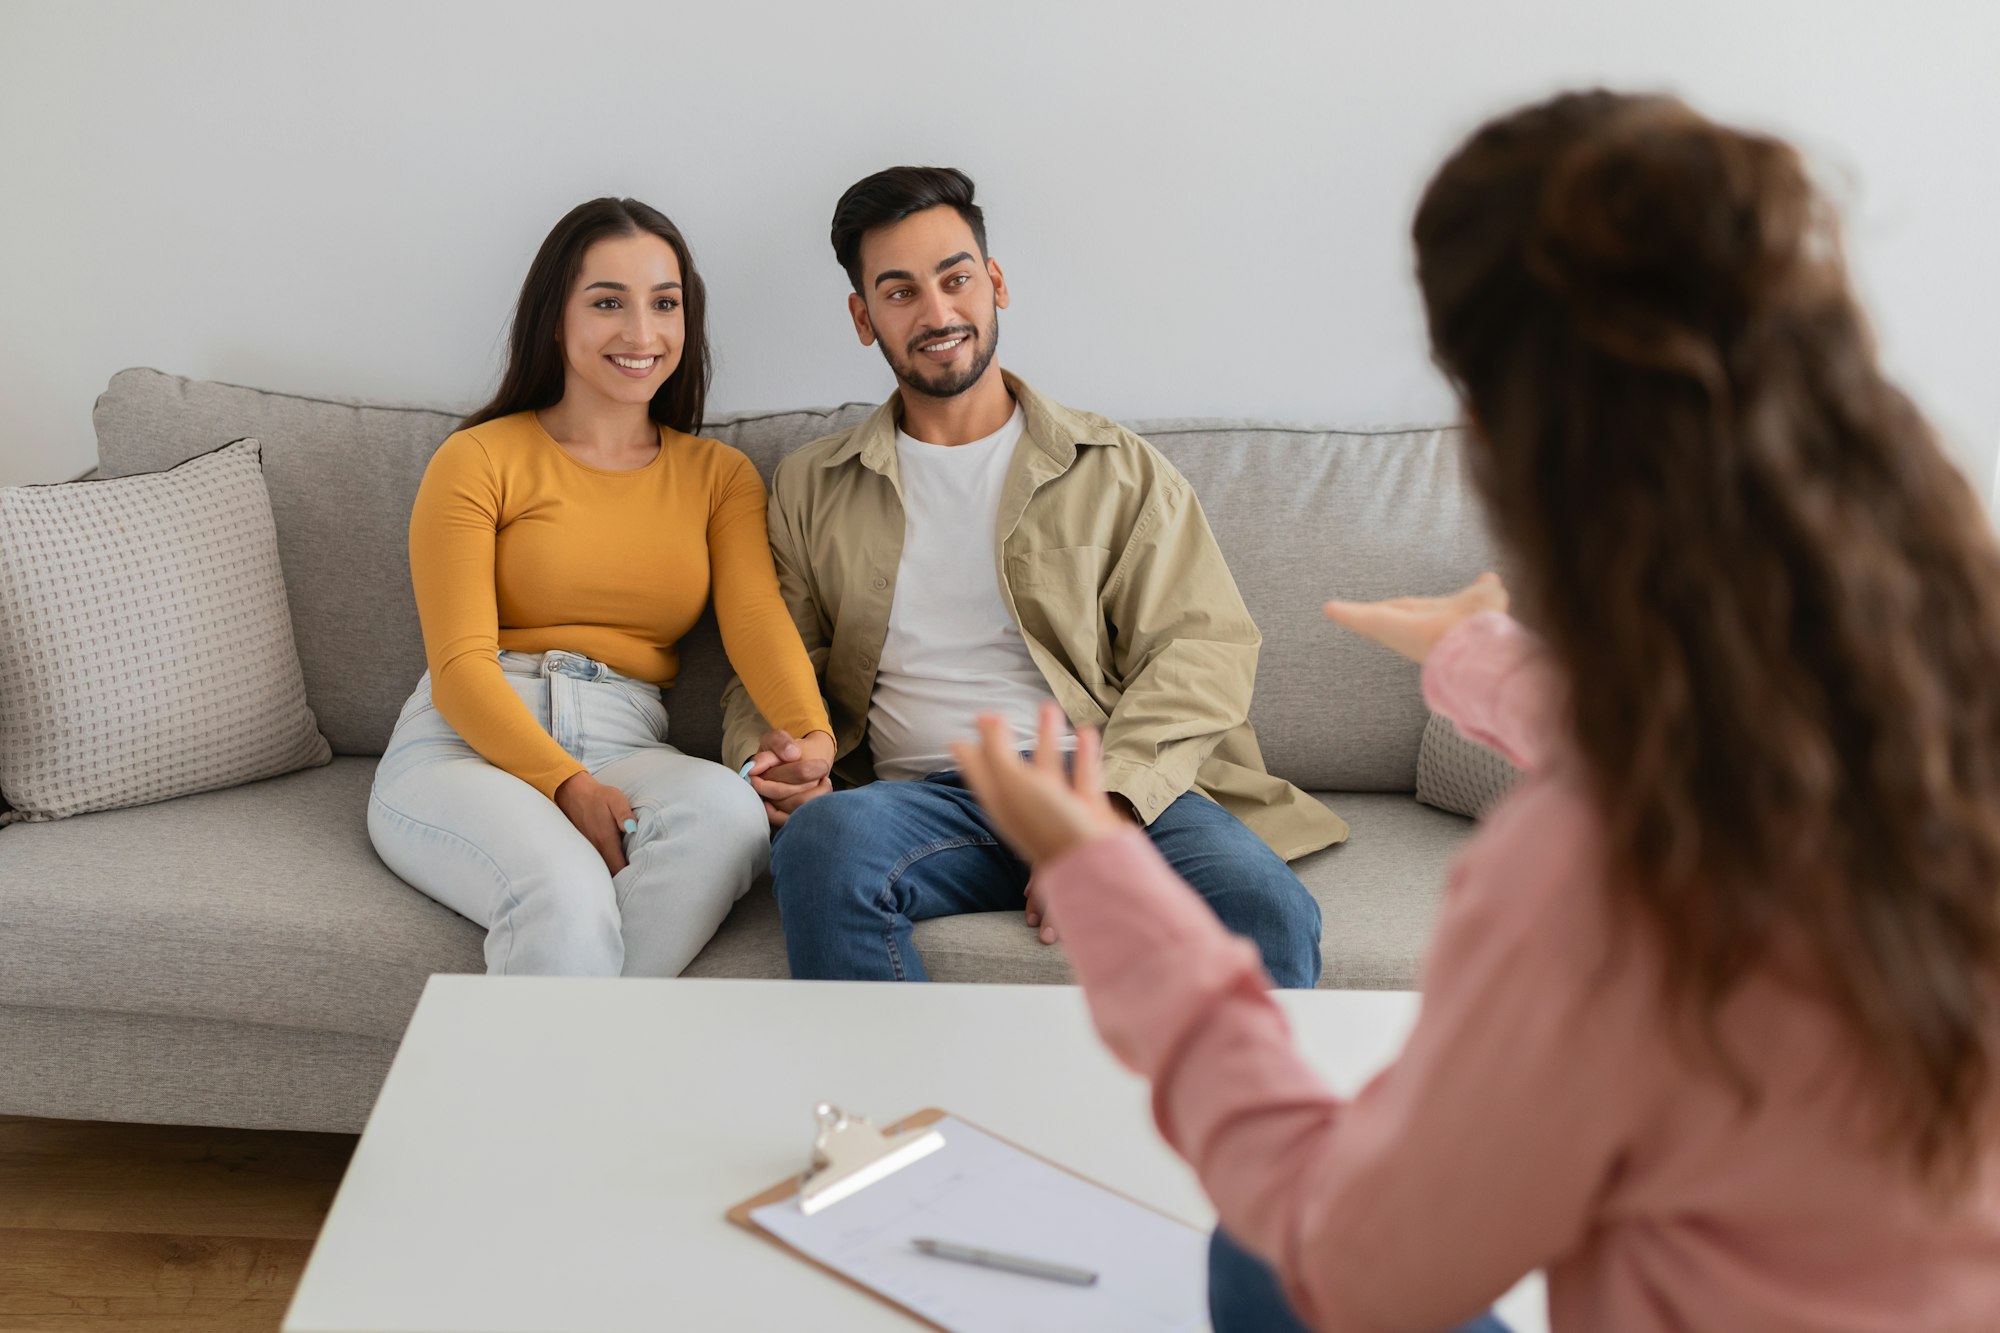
pixel 560 662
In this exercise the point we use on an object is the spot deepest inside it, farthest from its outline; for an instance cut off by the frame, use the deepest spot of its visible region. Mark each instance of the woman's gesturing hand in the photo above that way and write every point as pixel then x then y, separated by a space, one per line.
pixel 1041 811
pixel 1413 625
pixel 600 814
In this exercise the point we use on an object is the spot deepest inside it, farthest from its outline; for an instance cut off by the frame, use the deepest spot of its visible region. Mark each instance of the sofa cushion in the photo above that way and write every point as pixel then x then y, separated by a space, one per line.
pixel 768 436
pixel 1460 775
pixel 262 904
pixel 1379 892
pixel 1307 514
pixel 300 926
pixel 87 1064
pixel 341 477
pixel 145 649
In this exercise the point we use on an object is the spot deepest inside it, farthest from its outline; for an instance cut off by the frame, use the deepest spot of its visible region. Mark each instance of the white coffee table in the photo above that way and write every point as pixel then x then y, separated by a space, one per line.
pixel 556 1155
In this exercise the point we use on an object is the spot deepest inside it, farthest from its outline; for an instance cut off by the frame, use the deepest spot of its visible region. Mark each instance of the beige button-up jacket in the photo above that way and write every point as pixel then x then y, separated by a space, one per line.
pixel 1109 568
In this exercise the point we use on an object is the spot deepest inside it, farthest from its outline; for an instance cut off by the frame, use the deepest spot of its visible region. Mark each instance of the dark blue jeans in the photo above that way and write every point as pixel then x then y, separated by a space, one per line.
pixel 854 869
pixel 1244 1297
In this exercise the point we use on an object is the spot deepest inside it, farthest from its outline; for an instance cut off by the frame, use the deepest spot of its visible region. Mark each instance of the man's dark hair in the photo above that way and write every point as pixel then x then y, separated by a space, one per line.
pixel 892 195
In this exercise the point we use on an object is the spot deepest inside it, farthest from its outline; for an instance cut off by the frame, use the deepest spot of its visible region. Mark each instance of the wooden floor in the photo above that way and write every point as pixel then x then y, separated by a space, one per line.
pixel 157 1229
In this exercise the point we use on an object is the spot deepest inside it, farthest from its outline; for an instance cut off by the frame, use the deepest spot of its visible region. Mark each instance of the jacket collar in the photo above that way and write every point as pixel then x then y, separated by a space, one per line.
pixel 1055 430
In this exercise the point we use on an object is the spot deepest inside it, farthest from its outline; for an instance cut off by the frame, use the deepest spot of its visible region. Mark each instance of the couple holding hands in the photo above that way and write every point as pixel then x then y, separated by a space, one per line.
pixel 1712 1012
pixel 972 547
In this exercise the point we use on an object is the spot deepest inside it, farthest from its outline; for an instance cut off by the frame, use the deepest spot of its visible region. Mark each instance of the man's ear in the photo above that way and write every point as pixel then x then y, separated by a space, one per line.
pixel 999 283
pixel 857 310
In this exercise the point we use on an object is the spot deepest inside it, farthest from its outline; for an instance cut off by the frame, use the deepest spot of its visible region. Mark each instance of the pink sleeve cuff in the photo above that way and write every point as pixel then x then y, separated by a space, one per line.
pixel 1149 953
pixel 1498 686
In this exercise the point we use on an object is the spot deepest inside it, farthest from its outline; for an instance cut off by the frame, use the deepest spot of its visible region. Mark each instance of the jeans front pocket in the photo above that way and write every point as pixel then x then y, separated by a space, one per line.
pixel 648 704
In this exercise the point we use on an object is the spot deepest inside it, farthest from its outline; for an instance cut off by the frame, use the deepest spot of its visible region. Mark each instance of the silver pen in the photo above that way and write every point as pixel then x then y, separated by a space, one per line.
pixel 1011 1263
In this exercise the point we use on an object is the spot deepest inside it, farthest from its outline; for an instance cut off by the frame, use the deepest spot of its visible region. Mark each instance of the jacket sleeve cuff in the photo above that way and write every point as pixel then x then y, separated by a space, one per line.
pixel 742 726
pixel 1149 792
pixel 1493 680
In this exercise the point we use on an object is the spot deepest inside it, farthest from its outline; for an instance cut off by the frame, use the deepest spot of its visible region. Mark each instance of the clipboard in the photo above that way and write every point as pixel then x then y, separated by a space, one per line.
pixel 867 1150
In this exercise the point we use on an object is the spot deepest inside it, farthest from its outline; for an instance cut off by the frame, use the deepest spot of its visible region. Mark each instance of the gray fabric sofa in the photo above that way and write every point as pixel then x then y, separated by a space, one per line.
pixel 241 957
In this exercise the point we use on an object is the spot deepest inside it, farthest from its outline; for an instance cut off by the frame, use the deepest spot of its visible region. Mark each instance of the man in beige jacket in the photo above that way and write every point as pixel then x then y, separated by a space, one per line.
pixel 974 547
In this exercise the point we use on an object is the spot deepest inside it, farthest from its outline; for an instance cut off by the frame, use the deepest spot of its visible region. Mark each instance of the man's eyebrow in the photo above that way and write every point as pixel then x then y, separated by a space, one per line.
pixel 904 275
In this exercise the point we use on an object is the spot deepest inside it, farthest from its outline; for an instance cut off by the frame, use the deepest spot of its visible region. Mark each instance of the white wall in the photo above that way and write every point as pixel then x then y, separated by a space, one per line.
pixel 1201 208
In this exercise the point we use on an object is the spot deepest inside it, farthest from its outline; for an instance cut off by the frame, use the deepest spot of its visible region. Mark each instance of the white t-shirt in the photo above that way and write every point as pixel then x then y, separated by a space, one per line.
pixel 952 651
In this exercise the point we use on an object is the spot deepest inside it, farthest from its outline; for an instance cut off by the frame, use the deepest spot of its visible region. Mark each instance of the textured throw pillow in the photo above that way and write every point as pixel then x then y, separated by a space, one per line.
pixel 1459 775
pixel 145 648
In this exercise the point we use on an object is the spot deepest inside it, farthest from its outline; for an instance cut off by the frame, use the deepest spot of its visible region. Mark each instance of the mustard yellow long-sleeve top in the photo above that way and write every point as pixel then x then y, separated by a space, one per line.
pixel 517 546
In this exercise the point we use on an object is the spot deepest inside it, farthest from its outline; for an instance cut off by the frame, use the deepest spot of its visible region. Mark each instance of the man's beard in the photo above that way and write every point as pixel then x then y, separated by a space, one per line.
pixel 946 381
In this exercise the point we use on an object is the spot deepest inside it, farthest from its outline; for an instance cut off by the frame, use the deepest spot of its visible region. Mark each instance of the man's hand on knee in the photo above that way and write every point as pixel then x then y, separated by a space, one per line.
pixel 1038 912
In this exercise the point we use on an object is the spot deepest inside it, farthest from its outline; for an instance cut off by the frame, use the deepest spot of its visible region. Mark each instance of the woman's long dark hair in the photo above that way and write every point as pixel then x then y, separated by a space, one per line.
pixel 534 378
pixel 1778 601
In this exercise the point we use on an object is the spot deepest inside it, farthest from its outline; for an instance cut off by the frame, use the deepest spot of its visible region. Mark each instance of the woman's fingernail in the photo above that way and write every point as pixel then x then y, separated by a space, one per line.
pixel 631 826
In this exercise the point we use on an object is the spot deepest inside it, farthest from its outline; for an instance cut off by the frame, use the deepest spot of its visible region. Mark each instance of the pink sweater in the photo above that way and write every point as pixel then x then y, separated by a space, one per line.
pixel 1539 1117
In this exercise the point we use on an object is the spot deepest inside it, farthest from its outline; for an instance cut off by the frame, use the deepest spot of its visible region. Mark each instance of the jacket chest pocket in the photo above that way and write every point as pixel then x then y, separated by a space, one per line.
pixel 1058 595
pixel 1074 570
pixel 856 569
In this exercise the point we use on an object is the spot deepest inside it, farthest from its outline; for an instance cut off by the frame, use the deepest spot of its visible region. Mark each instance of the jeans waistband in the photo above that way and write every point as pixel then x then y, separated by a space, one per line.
pixel 559 662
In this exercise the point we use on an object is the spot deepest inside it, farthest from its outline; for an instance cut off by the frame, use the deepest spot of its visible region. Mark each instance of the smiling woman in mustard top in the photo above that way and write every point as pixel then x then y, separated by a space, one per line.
pixel 561 544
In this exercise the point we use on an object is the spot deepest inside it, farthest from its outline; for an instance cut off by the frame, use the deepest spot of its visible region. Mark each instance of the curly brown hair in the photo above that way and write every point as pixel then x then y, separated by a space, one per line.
pixel 1779 601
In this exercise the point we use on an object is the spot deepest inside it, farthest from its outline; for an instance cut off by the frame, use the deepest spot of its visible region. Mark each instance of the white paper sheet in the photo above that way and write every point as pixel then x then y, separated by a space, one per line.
pixel 1152 1270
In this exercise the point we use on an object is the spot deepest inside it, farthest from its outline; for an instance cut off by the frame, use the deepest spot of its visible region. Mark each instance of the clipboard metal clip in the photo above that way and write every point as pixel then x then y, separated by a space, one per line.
pixel 849 1155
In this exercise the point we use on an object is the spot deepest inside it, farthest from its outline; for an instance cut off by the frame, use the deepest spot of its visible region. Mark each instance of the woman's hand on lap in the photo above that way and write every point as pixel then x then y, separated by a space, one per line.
pixel 600 813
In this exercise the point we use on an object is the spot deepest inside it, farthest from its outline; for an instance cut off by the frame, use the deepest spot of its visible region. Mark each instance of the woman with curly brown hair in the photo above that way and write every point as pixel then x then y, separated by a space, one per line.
pixel 1712 1014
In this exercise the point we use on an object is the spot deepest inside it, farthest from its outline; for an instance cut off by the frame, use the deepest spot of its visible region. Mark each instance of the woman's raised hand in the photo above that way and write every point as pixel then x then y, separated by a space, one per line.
pixel 601 813
pixel 1413 625
pixel 1041 811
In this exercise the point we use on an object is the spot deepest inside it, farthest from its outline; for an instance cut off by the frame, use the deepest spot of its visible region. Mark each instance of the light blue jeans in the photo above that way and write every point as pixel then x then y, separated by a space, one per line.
pixel 496 851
